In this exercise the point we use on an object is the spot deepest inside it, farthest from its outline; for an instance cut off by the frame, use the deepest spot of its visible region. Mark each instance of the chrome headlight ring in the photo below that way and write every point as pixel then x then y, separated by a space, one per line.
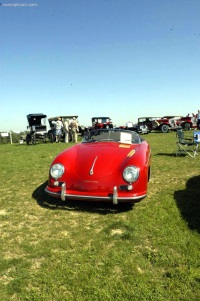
pixel 131 173
pixel 57 170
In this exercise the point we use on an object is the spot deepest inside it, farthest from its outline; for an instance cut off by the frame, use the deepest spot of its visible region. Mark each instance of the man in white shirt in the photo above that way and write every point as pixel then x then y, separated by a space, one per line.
pixel 58 128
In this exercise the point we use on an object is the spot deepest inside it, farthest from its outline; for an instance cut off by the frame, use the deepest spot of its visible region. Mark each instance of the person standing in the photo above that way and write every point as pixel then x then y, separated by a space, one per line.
pixel 74 129
pixel 198 119
pixel 66 129
pixel 58 128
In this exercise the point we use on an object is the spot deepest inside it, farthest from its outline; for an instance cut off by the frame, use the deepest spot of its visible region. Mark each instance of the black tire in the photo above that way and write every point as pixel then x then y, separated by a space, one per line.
pixel 28 139
pixel 187 126
pixel 51 137
pixel 165 128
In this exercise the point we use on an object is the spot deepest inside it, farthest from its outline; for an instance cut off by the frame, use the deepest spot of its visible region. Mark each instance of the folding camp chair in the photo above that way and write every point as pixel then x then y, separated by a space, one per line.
pixel 187 146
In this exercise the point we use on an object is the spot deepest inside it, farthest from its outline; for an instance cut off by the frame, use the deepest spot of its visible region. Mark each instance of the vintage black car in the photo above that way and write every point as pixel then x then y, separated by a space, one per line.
pixel 37 128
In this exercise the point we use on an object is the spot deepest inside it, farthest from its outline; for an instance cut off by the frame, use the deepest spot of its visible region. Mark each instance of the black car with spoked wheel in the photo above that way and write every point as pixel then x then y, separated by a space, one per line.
pixel 37 129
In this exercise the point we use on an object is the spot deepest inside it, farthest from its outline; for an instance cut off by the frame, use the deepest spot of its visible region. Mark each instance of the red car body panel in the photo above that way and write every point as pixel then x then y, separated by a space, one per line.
pixel 188 122
pixel 93 170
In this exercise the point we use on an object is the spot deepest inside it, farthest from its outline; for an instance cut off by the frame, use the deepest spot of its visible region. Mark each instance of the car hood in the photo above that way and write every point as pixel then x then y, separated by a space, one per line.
pixel 100 160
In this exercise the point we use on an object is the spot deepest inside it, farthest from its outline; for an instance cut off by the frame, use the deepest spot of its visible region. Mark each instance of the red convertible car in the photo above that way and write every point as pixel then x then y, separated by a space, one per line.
pixel 110 165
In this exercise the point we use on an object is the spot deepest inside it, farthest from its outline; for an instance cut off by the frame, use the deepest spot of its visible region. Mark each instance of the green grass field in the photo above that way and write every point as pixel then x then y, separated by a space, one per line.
pixel 53 250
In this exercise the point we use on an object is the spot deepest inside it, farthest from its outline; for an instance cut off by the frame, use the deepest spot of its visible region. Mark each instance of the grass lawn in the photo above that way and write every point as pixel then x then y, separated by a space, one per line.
pixel 53 250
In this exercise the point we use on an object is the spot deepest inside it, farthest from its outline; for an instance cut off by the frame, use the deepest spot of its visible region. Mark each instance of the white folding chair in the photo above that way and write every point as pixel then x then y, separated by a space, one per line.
pixel 187 146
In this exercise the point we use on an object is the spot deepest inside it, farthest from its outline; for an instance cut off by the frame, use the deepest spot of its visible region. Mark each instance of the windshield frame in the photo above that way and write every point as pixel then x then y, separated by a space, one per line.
pixel 112 135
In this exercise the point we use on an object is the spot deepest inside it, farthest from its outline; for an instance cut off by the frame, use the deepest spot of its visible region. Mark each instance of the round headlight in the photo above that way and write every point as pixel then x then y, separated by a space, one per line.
pixel 131 174
pixel 57 171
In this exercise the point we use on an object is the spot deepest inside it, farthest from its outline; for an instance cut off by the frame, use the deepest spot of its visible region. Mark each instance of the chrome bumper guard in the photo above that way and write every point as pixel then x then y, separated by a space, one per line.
pixel 115 195
pixel 63 188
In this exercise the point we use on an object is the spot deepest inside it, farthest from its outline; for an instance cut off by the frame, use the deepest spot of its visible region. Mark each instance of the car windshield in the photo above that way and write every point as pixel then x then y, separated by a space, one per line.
pixel 121 136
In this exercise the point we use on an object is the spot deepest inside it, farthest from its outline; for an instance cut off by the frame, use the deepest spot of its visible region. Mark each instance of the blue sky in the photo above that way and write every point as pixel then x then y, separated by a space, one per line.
pixel 119 58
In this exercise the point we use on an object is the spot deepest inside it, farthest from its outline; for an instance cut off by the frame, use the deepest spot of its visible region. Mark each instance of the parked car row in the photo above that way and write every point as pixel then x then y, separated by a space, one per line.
pixel 38 129
pixel 164 124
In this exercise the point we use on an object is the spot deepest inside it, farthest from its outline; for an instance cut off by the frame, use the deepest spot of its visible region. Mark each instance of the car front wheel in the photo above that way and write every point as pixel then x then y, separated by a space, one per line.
pixel 28 139
pixel 187 126
pixel 51 137
pixel 164 128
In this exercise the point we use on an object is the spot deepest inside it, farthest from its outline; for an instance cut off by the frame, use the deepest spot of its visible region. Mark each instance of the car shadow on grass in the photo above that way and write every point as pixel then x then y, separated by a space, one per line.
pixel 45 201
pixel 188 202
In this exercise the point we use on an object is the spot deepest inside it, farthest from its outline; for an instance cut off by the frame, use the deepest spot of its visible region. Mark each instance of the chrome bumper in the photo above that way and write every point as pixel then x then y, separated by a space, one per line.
pixel 113 197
